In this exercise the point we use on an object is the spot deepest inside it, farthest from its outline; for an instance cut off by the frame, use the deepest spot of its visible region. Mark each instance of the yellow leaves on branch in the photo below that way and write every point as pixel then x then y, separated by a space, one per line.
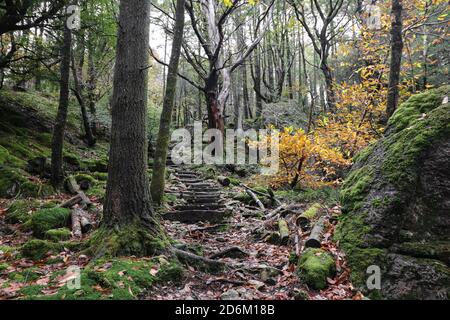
pixel 306 159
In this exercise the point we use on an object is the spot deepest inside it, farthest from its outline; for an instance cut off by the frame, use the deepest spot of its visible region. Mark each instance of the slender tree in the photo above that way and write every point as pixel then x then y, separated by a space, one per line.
pixel 159 164
pixel 61 117
pixel 396 57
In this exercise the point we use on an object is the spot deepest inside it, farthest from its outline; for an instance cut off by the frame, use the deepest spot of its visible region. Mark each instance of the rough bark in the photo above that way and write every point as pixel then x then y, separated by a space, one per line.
pixel 159 163
pixel 129 220
pixel 61 117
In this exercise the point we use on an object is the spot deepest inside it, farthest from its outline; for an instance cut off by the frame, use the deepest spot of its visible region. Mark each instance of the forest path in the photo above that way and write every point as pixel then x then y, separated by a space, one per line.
pixel 207 221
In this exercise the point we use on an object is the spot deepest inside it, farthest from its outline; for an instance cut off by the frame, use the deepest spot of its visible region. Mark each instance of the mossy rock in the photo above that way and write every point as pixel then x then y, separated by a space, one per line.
pixel 59 234
pixel 397 192
pixel 80 177
pixel 11 180
pixel 20 211
pixel 315 266
pixel 14 182
pixel 45 219
pixel 98 165
pixel 37 249
pixel 101 176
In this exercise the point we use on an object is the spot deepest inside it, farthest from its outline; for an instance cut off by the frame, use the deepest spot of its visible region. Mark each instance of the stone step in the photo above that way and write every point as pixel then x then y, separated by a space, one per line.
pixel 211 206
pixel 194 216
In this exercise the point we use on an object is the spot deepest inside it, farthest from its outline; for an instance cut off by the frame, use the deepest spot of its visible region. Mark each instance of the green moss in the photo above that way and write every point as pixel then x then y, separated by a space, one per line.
pixel 403 148
pixel 58 234
pixel 315 266
pixel 33 189
pixel 243 197
pixel 46 219
pixel 311 212
pixel 31 291
pixel 350 233
pixel 355 188
pixel 27 275
pixel 96 165
pixel 118 279
pixel 439 250
pixel 71 158
pixel 10 181
pixel 234 181
pixel 131 239
pixel 36 249
pixel 7 249
pixel 85 177
pixel 3 267
pixel 45 138
pixel 102 176
pixel 364 154
pixel 19 211
pixel 417 105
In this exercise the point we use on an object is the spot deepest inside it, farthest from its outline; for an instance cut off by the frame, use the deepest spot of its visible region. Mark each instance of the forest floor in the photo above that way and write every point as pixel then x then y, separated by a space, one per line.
pixel 255 269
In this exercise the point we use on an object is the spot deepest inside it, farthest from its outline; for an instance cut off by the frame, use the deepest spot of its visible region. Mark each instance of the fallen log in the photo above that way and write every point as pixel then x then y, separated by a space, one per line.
pixel 304 220
pixel 224 181
pixel 255 198
pixel 315 238
pixel 71 202
pixel 86 225
pixel 269 195
pixel 283 229
pixel 74 188
pixel 76 222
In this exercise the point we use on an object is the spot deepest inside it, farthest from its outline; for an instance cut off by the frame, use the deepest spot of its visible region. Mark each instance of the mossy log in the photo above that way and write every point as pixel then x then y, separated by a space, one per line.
pixel 304 220
pixel 225 181
pixel 283 229
pixel 255 198
pixel 315 238
pixel 74 188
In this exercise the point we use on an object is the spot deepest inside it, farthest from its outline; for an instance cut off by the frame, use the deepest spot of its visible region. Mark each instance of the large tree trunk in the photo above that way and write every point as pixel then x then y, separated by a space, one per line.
pixel 61 117
pixel 396 57
pixel 129 226
pixel 159 164
pixel 215 116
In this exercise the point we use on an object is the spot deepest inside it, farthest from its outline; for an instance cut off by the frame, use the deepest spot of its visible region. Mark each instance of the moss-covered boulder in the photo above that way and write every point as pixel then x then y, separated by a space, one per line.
pixel 45 219
pixel 59 234
pixel 396 203
pixel 315 266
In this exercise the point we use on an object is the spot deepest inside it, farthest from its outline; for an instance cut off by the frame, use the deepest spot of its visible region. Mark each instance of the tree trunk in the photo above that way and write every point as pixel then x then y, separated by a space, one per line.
pixel 90 139
pixel 159 163
pixel 396 57
pixel 61 117
pixel 129 226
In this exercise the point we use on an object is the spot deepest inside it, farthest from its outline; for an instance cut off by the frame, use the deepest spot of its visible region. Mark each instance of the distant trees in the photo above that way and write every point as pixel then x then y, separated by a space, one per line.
pixel 159 162
pixel 61 117
pixel 396 57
